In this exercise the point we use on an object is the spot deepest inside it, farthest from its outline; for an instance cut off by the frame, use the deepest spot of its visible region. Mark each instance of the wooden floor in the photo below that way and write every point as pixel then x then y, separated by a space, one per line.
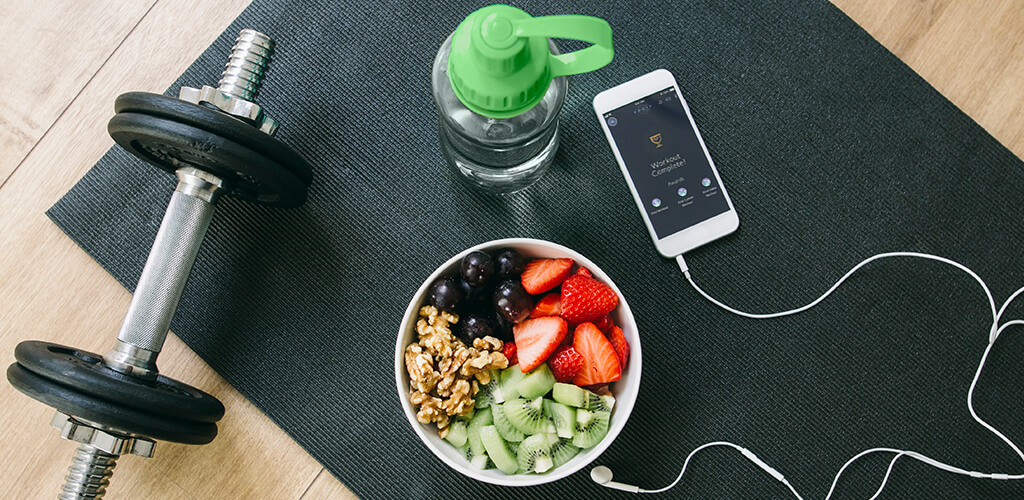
pixel 64 61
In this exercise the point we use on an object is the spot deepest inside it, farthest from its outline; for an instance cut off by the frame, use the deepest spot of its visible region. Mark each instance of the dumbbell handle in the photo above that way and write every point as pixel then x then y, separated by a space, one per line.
pixel 163 278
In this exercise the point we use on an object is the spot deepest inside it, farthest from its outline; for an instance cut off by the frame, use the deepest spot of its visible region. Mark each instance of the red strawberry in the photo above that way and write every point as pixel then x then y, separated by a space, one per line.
pixel 586 299
pixel 584 271
pixel 542 275
pixel 620 345
pixel 568 337
pixel 600 363
pixel 550 305
pixel 605 324
pixel 565 363
pixel 510 352
pixel 536 338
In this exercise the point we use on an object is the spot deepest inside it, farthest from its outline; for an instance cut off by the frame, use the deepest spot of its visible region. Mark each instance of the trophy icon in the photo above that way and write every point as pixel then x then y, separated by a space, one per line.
pixel 656 139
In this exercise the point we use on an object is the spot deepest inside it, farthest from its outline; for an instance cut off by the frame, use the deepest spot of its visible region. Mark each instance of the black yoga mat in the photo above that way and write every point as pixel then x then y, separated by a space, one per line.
pixel 831 148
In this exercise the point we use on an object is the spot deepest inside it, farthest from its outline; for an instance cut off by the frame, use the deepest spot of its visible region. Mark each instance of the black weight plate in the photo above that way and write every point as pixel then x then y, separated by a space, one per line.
pixel 217 123
pixel 170 145
pixel 72 402
pixel 85 372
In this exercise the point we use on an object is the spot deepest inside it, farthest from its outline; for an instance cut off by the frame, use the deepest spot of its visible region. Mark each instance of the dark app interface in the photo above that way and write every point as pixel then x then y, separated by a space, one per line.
pixel 665 160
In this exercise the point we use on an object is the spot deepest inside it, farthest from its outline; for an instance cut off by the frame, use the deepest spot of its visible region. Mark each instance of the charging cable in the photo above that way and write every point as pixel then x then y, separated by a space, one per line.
pixel 603 475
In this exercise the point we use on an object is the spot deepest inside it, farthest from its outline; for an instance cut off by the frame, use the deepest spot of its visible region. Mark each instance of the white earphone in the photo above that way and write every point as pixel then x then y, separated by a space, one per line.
pixel 603 475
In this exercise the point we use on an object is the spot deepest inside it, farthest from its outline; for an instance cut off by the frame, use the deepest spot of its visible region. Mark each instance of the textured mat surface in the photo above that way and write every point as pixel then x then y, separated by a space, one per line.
pixel 831 148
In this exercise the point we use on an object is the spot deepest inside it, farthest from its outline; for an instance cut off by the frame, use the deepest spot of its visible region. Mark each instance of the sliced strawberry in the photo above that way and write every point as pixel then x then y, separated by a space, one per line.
pixel 600 363
pixel 510 353
pixel 568 337
pixel 605 324
pixel 620 345
pixel 550 305
pixel 584 271
pixel 565 363
pixel 536 339
pixel 586 299
pixel 542 275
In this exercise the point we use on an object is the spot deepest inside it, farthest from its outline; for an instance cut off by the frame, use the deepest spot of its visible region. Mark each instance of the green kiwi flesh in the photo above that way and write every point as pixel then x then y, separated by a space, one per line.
pixel 457 434
pixel 508 431
pixel 562 417
pixel 534 454
pixel 528 415
pixel 578 397
pixel 562 450
pixel 591 428
pixel 536 383
pixel 498 450
pixel 510 377
pixel 478 461
pixel 480 419
pixel 490 393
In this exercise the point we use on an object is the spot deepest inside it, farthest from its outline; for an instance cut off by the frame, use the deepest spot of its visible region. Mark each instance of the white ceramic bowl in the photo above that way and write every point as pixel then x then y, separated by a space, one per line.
pixel 625 390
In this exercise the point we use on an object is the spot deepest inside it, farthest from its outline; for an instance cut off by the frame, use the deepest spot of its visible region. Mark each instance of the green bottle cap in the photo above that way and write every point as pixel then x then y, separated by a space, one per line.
pixel 500 65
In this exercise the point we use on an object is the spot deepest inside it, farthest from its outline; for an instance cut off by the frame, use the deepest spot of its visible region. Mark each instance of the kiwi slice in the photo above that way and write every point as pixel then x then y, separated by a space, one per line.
pixel 479 461
pixel 528 415
pixel 535 454
pixel 591 427
pixel 536 383
pixel 510 377
pixel 562 450
pixel 579 397
pixel 480 419
pixel 490 393
pixel 498 450
pixel 601 403
pixel 457 434
pixel 508 431
pixel 570 395
pixel 562 417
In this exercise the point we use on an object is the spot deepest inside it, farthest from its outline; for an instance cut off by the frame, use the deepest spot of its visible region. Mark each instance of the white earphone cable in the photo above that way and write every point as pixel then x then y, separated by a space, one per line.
pixel 994 333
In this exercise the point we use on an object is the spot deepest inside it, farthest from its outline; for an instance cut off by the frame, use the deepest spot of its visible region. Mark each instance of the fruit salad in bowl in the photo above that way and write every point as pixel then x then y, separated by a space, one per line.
pixel 518 362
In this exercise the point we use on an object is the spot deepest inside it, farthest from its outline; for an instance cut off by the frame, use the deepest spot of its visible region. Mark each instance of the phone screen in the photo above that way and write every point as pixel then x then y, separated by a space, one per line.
pixel 670 171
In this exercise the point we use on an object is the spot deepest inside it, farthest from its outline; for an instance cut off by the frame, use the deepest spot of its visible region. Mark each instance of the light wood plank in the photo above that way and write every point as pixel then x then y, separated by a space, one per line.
pixel 65 297
pixel 48 55
pixel 327 487
pixel 971 52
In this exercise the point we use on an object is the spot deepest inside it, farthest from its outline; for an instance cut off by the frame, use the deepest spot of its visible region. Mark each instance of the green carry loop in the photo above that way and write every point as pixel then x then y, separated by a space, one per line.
pixel 500 64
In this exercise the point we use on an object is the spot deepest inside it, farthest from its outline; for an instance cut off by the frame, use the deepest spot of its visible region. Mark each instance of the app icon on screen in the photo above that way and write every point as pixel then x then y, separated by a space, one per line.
pixel 682 191
pixel 656 203
pixel 612 121
pixel 706 182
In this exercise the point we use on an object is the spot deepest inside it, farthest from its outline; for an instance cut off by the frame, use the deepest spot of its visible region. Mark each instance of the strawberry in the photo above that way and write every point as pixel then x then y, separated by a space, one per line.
pixel 605 324
pixel 565 363
pixel 585 272
pixel 586 299
pixel 568 337
pixel 600 363
pixel 542 275
pixel 550 305
pixel 536 338
pixel 620 345
pixel 510 353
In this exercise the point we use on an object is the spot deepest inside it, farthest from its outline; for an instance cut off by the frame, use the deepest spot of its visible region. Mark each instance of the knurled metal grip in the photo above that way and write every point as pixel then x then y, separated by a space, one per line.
pixel 163 279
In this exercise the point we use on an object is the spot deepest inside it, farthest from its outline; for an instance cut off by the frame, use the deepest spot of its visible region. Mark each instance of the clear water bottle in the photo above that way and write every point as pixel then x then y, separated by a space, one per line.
pixel 499 83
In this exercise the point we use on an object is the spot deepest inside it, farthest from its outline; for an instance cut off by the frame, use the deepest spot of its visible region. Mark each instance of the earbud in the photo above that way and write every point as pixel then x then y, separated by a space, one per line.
pixel 603 476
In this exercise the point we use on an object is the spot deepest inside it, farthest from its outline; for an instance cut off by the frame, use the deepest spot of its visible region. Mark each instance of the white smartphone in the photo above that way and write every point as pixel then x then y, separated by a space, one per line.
pixel 668 168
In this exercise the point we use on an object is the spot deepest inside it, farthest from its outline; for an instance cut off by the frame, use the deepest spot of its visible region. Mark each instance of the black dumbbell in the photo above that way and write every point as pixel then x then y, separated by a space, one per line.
pixel 217 141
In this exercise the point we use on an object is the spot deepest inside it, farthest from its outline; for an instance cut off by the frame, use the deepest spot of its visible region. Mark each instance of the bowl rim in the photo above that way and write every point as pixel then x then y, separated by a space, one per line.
pixel 625 397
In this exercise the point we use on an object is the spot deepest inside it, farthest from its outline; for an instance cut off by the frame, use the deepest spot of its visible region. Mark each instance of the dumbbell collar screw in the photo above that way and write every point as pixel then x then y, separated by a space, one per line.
pixel 231 105
pixel 239 82
pixel 102 439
